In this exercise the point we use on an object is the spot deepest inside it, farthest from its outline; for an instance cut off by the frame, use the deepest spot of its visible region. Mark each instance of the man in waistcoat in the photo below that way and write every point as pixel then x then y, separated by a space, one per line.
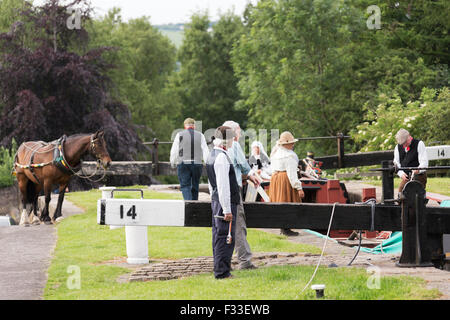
pixel 189 148
pixel 410 152
pixel 242 169
pixel 225 198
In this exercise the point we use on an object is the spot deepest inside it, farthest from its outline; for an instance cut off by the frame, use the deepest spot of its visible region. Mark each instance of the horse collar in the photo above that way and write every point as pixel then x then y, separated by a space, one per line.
pixel 59 159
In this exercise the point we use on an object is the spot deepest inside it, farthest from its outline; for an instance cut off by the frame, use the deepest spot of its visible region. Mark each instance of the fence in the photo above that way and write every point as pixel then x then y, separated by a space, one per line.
pixel 338 161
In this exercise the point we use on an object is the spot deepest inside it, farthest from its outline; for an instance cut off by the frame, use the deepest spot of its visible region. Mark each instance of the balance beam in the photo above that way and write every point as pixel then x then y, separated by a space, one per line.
pixel 137 214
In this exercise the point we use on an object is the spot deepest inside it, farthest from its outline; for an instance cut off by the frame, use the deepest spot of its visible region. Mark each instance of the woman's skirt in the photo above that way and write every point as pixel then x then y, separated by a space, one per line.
pixel 280 189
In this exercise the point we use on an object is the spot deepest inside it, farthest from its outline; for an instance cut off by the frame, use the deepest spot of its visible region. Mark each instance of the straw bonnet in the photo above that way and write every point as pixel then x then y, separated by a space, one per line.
pixel 286 138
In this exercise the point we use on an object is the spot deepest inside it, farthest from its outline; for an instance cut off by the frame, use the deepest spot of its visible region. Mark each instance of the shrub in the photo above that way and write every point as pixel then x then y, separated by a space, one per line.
pixel 6 165
pixel 425 118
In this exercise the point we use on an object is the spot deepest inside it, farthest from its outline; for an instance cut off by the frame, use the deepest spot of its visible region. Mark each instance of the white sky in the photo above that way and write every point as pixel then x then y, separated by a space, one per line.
pixel 167 11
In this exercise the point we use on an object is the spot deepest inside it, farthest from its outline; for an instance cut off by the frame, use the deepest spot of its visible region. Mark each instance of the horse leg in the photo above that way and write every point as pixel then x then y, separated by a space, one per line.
pixel 22 182
pixel 58 212
pixel 36 220
pixel 45 215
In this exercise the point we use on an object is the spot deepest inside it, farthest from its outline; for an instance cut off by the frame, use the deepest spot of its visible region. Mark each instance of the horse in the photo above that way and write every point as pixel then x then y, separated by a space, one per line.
pixel 40 165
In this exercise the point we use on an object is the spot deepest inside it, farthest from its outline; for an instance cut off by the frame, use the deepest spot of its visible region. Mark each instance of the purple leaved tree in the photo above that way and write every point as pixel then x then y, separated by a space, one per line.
pixel 51 84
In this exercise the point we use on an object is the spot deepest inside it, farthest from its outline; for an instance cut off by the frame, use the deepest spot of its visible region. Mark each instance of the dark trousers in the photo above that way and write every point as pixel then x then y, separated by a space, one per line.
pixel 189 176
pixel 422 178
pixel 222 252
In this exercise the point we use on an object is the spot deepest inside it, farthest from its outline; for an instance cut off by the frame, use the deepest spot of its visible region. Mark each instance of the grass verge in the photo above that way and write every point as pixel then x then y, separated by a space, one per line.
pixel 435 185
pixel 84 244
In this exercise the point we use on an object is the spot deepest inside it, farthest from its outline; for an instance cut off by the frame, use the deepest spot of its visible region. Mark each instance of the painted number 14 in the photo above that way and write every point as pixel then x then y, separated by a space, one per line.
pixel 130 213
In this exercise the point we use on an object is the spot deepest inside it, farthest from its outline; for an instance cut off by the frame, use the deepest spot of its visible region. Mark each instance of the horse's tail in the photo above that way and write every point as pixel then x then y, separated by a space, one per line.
pixel 31 192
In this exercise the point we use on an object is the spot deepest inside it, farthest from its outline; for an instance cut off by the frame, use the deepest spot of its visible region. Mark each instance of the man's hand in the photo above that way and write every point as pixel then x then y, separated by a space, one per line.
pixel 405 177
pixel 416 171
pixel 255 180
pixel 228 217
pixel 301 194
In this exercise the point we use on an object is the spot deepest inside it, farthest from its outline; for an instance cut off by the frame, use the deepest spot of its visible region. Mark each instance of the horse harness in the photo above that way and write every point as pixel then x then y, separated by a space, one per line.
pixel 58 161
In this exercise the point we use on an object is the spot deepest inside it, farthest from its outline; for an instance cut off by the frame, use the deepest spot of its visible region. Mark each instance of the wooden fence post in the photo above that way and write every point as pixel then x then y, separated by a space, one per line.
pixel 387 180
pixel 340 145
pixel 155 160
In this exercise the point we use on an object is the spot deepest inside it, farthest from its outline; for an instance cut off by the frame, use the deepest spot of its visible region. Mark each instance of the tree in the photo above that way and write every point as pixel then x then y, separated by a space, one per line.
pixel 144 59
pixel 49 90
pixel 206 85
pixel 315 68
pixel 294 68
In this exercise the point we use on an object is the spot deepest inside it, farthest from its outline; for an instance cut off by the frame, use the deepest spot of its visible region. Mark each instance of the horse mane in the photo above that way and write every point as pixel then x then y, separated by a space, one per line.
pixel 78 135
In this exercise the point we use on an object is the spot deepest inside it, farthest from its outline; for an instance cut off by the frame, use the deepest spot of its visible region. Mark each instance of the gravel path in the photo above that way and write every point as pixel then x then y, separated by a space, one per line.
pixel 25 257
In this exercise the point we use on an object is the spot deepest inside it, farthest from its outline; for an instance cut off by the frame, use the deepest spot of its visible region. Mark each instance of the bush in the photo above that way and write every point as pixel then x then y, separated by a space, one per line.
pixel 6 165
pixel 426 119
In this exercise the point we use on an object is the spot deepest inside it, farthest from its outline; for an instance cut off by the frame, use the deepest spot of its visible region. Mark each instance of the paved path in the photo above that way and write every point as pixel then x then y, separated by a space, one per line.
pixel 25 256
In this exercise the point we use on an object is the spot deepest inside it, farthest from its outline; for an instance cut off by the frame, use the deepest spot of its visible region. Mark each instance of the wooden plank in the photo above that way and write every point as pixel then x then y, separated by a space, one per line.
pixel 265 215
pixel 317 216
pixel 302 216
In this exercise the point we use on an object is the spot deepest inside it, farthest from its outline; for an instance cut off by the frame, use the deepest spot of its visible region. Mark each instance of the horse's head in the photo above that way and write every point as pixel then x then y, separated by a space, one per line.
pixel 98 149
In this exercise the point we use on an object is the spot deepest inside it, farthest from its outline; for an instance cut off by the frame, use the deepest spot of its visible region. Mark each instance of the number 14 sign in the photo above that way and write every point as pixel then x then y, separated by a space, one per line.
pixel 130 213
pixel 438 152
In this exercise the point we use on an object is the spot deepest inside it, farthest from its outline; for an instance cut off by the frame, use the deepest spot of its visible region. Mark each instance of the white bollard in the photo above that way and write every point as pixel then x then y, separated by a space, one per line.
pixel 137 244
pixel 136 237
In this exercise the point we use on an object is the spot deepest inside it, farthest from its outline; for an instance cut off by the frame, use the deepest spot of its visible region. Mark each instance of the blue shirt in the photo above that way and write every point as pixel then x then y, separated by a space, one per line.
pixel 240 164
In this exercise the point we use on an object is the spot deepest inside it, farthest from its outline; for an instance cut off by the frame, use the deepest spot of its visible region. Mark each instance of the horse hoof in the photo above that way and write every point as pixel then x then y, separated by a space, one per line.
pixel 25 225
pixel 48 223
pixel 59 219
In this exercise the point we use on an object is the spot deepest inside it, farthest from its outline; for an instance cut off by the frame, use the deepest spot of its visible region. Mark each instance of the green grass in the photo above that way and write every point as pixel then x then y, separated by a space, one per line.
pixel 83 243
pixel 435 185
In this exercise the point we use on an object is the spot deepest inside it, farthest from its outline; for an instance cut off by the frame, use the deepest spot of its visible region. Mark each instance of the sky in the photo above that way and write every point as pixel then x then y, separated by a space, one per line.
pixel 167 11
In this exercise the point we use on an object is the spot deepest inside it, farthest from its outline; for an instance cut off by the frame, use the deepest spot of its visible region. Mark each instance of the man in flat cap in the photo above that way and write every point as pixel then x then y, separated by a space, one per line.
pixel 410 152
pixel 189 148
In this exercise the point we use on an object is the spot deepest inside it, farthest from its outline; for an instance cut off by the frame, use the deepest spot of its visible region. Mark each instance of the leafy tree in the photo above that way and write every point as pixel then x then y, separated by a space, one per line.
pixel 144 59
pixel 386 65
pixel 49 90
pixel 294 67
pixel 206 85
pixel 314 68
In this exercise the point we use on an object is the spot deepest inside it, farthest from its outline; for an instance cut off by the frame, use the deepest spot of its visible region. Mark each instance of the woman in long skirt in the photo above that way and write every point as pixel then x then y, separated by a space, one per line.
pixel 285 185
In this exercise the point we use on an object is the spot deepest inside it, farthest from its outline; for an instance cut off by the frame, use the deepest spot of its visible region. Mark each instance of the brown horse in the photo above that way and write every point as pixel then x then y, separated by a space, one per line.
pixel 40 165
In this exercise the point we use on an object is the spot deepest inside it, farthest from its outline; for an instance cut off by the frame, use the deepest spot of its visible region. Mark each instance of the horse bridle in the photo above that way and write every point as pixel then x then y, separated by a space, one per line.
pixel 93 148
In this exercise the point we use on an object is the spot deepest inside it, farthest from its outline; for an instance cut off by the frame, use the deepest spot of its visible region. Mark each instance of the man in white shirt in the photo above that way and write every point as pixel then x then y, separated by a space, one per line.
pixel 410 153
pixel 224 201
pixel 242 169
pixel 189 148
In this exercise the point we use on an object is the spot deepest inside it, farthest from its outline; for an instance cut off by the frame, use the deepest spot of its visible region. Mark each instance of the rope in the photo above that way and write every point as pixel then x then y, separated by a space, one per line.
pixel 372 202
pixel 323 251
